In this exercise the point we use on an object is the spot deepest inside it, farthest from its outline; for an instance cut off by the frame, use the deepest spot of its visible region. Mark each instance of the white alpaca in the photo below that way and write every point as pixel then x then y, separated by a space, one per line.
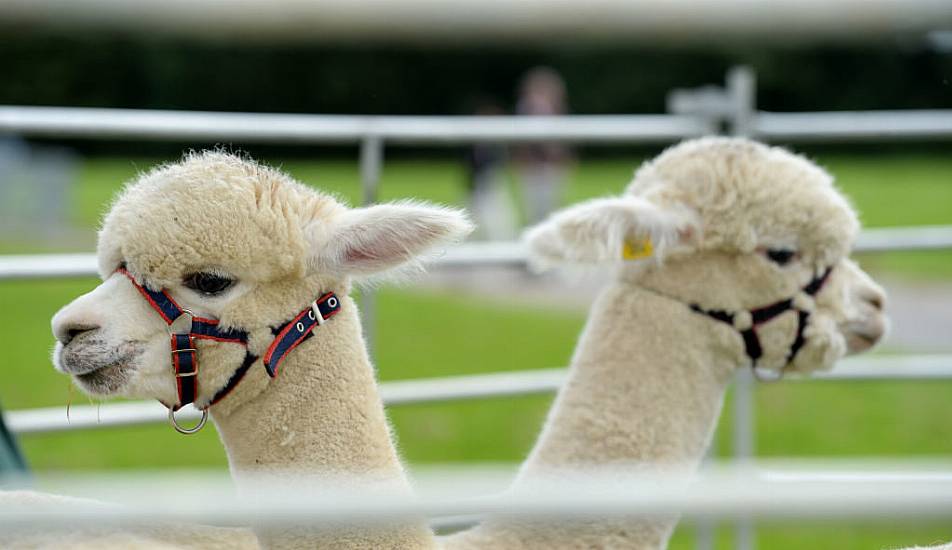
pixel 262 247
pixel 732 226
pixel 151 537
pixel 232 241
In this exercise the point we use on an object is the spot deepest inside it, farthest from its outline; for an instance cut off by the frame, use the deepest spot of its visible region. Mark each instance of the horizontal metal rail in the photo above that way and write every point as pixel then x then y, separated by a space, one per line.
pixel 40 266
pixel 208 126
pixel 852 125
pixel 430 390
pixel 404 392
pixel 299 499
pixel 901 239
pixel 192 126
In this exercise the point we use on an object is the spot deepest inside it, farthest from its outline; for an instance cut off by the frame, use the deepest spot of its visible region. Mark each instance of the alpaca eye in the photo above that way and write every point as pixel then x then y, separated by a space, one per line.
pixel 207 283
pixel 780 256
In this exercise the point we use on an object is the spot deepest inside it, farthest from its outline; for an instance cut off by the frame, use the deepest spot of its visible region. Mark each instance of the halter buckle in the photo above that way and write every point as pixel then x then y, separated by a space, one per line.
pixel 760 375
pixel 182 324
pixel 187 431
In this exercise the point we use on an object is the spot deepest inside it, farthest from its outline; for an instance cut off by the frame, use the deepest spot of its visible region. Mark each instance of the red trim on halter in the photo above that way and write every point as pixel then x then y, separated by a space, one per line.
pixel 187 385
pixel 298 329
pixel 148 297
pixel 284 332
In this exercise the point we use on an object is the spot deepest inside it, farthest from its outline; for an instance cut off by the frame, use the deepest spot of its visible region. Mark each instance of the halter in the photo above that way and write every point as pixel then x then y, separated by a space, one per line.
pixel 185 327
pixel 764 314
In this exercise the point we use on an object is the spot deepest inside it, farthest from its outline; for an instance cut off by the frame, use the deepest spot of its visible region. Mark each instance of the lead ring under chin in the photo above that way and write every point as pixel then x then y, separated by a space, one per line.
pixel 775 376
pixel 188 431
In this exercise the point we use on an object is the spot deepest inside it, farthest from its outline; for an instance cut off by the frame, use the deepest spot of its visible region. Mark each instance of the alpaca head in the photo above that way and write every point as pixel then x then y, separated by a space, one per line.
pixel 732 225
pixel 231 240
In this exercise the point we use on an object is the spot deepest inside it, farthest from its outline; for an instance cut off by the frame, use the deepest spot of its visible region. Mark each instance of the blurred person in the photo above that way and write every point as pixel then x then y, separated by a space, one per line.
pixel 35 186
pixel 542 166
pixel 489 199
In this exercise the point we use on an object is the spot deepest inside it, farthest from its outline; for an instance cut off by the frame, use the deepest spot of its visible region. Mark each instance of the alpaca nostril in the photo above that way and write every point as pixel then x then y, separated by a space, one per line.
pixel 74 331
pixel 876 301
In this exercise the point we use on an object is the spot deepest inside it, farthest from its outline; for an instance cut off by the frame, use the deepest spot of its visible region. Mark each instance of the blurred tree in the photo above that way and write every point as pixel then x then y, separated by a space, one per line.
pixel 121 71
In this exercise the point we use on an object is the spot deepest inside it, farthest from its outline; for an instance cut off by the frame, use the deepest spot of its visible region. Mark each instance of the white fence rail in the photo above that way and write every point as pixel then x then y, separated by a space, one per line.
pixel 853 125
pixel 41 266
pixel 718 493
pixel 196 126
pixel 698 113
pixel 452 388
pixel 87 123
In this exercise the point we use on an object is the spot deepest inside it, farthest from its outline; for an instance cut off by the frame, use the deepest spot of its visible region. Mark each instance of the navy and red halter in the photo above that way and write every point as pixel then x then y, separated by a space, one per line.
pixel 185 328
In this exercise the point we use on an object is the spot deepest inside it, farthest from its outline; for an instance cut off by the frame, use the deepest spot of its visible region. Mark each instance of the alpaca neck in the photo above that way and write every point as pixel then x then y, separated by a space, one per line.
pixel 320 416
pixel 645 389
pixel 645 386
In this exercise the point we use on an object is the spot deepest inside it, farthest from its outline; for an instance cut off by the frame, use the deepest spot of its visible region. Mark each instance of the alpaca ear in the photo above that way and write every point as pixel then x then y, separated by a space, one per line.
pixel 609 229
pixel 366 241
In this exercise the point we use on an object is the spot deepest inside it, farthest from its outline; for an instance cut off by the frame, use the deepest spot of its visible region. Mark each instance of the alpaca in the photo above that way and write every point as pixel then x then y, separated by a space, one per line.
pixel 749 269
pixel 151 537
pixel 300 242
pixel 249 271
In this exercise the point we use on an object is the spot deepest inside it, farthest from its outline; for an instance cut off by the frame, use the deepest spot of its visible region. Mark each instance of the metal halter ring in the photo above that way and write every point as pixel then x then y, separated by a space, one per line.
pixel 188 431
pixel 760 375
pixel 175 327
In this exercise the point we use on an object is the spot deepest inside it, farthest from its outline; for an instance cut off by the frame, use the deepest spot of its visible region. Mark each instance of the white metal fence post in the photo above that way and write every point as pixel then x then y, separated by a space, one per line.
pixel 704 528
pixel 371 165
pixel 737 109
pixel 742 95
pixel 744 446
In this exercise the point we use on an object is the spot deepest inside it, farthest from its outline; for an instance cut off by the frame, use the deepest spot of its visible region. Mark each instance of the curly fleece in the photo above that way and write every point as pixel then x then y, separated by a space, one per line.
pixel 284 244
pixel 648 376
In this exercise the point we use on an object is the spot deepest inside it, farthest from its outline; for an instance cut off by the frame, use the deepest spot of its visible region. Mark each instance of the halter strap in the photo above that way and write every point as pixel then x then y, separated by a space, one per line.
pixel 169 310
pixel 289 335
pixel 761 315
pixel 184 354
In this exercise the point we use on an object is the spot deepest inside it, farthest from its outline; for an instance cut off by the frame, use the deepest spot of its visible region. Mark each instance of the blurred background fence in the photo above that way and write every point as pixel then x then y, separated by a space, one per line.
pixel 730 108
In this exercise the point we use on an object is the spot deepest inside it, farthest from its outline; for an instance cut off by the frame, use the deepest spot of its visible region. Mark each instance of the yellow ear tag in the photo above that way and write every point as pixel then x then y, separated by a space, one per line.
pixel 637 250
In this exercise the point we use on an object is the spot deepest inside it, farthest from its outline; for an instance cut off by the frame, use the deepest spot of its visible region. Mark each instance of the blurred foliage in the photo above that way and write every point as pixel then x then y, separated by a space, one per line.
pixel 106 70
pixel 815 419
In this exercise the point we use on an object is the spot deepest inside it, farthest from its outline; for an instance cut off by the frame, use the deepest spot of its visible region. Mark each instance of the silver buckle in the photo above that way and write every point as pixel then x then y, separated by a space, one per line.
pixel 176 326
pixel 183 350
pixel 183 321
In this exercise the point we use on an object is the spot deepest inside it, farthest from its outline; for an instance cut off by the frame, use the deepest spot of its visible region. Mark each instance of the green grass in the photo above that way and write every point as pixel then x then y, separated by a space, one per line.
pixel 893 190
pixel 452 334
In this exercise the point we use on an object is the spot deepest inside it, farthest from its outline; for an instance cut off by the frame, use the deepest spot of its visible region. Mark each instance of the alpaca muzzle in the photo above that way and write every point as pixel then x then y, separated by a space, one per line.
pixel 745 322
